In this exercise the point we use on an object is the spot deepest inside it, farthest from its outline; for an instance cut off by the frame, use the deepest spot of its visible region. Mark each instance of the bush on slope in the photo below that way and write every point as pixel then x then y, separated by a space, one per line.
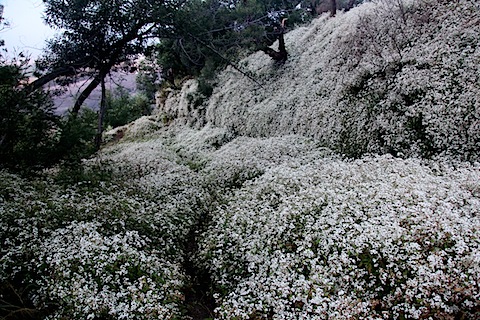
pixel 294 232
pixel 112 250
pixel 382 77
pixel 316 237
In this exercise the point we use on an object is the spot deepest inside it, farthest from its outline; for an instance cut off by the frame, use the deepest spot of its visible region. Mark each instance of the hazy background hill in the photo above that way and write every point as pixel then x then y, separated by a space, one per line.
pixel 66 100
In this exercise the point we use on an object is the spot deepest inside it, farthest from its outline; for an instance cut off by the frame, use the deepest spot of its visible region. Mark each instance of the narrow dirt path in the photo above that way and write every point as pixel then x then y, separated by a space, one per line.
pixel 199 301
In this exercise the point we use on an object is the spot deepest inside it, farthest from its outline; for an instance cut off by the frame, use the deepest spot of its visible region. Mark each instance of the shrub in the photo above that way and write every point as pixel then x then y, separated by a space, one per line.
pixel 385 77
pixel 317 237
pixel 29 129
pixel 123 108
pixel 113 276
pixel 77 139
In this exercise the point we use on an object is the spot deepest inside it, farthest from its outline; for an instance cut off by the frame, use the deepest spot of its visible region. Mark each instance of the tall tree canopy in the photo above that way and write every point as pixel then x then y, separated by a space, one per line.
pixel 98 35
pixel 215 30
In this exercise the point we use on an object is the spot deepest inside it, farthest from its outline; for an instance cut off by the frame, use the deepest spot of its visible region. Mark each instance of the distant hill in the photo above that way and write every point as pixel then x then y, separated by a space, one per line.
pixel 66 101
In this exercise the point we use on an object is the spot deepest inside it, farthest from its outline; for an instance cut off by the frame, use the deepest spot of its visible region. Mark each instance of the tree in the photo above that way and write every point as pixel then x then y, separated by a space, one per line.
pixel 148 78
pixel 333 7
pixel 98 35
pixel 281 55
pixel 211 34
pixel 32 136
pixel 28 125
pixel 3 24
pixel 123 108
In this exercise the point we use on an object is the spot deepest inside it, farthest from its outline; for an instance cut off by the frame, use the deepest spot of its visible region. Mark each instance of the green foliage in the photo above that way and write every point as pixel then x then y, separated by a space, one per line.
pixel 32 136
pixel 87 178
pixel 212 34
pixel 97 36
pixel 170 56
pixel 28 126
pixel 96 30
pixel 207 75
pixel 148 79
pixel 123 108
pixel 77 138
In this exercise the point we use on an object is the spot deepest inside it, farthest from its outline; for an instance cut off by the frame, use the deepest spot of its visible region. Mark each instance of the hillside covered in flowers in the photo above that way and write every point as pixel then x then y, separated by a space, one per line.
pixel 342 184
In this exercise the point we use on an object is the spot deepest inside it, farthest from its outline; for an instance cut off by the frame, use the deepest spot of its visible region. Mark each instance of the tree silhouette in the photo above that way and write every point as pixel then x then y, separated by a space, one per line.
pixel 97 35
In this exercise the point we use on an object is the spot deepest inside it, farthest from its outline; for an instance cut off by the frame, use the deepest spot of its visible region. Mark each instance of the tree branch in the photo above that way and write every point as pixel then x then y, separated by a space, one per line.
pixel 43 80
pixel 281 55
pixel 88 90
pixel 209 47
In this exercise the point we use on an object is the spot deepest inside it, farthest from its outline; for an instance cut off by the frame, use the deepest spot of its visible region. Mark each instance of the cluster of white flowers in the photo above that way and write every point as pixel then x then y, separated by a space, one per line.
pixel 91 274
pixel 184 107
pixel 387 76
pixel 295 232
pixel 138 129
pixel 378 237
pixel 115 248
pixel 246 158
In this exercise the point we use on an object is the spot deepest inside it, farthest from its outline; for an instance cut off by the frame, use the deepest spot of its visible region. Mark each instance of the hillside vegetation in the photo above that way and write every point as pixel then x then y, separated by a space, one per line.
pixel 381 78
pixel 342 184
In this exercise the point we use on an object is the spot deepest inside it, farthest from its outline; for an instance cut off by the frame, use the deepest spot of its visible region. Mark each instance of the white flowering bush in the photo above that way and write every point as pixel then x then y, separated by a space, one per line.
pixel 19 229
pixel 184 106
pixel 246 158
pixel 413 89
pixel 141 128
pixel 284 227
pixel 375 238
pixel 172 195
pixel 111 249
pixel 386 77
pixel 95 275
pixel 286 230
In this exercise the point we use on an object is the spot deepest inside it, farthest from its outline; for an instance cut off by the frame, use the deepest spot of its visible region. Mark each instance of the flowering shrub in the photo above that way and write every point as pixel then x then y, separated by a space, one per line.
pixel 387 76
pixel 374 238
pixel 293 232
pixel 138 129
pixel 112 249
pixel 245 158
pixel 287 228
pixel 95 275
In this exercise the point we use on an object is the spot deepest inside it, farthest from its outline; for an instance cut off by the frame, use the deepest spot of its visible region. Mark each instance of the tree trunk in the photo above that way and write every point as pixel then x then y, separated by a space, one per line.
pixel 333 8
pixel 117 49
pixel 170 77
pixel 88 90
pixel 101 116
pixel 281 55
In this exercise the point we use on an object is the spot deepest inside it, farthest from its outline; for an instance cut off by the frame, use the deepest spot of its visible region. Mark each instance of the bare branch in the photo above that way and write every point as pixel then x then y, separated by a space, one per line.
pixel 228 61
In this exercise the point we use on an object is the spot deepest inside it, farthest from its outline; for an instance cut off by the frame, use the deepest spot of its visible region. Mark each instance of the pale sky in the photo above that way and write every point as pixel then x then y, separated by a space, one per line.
pixel 27 32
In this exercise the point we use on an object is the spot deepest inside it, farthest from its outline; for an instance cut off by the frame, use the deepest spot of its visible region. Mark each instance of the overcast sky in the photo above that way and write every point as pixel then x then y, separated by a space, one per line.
pixel 27 31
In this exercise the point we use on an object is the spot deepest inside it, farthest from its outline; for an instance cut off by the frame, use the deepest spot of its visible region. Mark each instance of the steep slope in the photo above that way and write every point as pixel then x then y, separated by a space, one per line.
pixel 247 216
pixel 384 77
pixel 268 228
